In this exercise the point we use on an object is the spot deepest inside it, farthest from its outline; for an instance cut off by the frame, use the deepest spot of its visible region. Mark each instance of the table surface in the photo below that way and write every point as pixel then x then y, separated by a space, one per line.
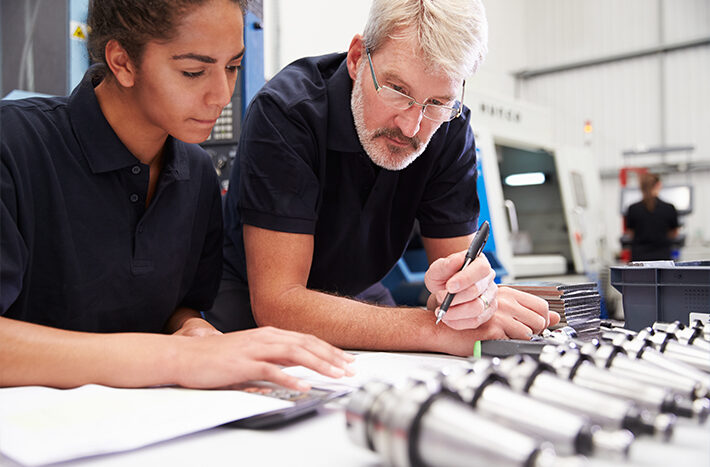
pixel 321 439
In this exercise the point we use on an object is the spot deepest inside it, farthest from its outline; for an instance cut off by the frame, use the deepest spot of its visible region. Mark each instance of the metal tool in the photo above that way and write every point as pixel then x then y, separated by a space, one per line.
pixel 640 348
pixel 697 324
pixel 541 382
pixel 626 358
pixel 486 390
pixel 668 345
pixel 581 369
pixel 685 334
pixel 417 425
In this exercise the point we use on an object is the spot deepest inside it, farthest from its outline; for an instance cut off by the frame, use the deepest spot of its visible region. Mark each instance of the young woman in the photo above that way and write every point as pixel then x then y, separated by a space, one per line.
pixel 110 221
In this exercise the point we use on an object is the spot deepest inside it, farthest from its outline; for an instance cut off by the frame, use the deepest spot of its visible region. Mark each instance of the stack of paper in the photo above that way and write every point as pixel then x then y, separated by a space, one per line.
pixel 577 304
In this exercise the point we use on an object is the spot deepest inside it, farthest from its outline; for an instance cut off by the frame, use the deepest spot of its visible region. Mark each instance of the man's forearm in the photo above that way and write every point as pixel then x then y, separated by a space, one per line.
pixel 350 324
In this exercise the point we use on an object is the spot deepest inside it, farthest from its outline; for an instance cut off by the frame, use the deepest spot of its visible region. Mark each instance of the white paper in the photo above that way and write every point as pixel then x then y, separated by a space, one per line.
pixel 40 425
pixel 394 368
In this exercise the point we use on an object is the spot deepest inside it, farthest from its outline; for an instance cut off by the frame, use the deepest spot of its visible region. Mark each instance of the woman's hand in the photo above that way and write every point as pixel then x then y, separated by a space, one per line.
pixel 257 354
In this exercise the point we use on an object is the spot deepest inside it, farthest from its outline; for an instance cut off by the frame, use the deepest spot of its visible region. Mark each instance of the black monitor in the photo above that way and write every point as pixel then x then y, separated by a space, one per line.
pixel 680 196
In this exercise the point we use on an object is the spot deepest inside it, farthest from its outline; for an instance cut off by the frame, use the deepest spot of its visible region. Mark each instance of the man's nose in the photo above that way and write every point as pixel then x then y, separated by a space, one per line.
pixel 409 120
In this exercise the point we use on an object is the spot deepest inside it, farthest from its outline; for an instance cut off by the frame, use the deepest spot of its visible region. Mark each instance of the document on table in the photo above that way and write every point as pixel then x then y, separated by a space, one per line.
pixel 391 367
pixel 40 425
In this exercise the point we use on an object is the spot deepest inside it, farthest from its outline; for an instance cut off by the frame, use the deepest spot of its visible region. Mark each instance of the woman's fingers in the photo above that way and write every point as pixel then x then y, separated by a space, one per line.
pixel 272 373
pixel 318 347
pixel 291 355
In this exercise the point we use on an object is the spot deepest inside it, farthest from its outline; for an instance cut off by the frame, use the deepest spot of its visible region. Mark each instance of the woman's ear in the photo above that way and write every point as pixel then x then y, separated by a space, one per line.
pixel 120 63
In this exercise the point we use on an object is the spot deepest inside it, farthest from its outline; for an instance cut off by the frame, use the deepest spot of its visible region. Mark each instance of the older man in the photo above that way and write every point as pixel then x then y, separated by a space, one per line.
pixel 339 155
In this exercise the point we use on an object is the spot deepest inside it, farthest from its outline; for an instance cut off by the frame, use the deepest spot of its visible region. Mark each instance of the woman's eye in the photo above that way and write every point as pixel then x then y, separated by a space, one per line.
pixel 233 68
pixel 192 74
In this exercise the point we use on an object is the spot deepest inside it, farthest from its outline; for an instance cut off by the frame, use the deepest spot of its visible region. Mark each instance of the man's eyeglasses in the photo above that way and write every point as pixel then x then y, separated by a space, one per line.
pixel 401 101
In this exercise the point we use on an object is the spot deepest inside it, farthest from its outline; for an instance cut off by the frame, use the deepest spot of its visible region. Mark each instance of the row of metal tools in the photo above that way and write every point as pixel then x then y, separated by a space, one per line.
pixel 577 399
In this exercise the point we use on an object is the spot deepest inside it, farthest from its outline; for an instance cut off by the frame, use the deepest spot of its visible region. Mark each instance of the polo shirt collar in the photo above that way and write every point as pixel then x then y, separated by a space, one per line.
pixel 103 150
pixel 176 160
pixel 342 135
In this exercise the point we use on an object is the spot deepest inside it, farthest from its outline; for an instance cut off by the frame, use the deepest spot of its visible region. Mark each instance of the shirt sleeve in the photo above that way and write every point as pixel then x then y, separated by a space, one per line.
pixel 278 182
pixel 14 253
pixel 450 205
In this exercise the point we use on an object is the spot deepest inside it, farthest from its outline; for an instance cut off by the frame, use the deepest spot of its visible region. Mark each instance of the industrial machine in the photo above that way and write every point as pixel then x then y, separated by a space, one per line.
pixel 45 54
pixel 222 143
pixel 43 45
pixel 543 215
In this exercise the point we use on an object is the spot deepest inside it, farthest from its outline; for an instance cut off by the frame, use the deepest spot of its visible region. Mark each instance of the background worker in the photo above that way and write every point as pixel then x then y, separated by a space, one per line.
pixel 651 223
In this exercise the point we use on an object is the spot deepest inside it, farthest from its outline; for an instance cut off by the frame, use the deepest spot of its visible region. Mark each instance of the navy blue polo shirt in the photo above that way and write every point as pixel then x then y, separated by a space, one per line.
pixel 301 169
pixel 651 229
pixel 79 250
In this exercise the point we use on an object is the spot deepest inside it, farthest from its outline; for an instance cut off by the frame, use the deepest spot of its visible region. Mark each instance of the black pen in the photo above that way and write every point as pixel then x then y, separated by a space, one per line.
pixel 473 251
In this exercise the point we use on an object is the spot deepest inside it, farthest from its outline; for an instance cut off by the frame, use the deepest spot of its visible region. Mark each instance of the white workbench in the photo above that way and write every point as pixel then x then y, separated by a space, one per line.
pixel 322 440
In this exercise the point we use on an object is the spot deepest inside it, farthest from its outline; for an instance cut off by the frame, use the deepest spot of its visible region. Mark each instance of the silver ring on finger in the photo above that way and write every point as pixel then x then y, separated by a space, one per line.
pixel 485 302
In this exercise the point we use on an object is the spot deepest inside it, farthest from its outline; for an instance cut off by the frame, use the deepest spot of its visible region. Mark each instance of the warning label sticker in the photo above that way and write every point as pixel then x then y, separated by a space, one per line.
pixel 78 31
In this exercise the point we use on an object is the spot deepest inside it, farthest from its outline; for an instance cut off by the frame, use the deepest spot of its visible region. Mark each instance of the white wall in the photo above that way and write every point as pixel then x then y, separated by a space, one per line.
pixel 295 29
pixel 630 103
pixel 648 101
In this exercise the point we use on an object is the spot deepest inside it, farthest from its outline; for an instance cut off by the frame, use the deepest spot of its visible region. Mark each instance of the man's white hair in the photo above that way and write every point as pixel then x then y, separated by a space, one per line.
pixel 452 34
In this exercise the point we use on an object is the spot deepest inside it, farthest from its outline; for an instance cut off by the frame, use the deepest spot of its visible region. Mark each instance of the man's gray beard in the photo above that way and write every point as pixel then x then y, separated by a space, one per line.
pixel 382 157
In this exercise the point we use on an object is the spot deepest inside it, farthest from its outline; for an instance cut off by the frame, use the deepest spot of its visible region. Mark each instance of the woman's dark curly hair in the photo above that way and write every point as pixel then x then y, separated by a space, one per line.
pixel 133 23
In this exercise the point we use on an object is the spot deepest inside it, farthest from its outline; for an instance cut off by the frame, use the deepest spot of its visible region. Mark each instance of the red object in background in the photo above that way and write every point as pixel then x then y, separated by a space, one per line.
pixel 625 254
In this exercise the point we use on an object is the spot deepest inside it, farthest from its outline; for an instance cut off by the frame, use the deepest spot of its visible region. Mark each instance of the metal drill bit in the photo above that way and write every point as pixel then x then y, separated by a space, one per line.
pixel 540 381
pixel 418 425
pixel 486 390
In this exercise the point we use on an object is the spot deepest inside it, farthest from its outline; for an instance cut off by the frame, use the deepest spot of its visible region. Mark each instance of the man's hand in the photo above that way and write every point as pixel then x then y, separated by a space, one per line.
pixel 196 327
pixel 498 312
pixel 189 322
pixel 256 354
pixel 521 315
pixel 476 293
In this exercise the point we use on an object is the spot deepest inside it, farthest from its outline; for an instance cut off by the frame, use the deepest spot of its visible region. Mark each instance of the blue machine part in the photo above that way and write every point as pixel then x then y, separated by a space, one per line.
pixel 485 215
pixel 78 54
pixel 20 94
pixel 253 61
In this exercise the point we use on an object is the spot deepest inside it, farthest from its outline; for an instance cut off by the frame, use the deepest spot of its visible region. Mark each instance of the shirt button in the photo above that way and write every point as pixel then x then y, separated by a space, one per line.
pixel 134 198
pixel 136 169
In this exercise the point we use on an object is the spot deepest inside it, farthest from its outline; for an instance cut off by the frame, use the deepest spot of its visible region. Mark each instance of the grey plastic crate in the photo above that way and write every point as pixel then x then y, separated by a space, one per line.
pixel 663 293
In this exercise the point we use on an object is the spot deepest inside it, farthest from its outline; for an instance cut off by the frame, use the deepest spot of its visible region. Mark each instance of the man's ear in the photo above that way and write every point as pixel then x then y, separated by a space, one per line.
pixel 356 52
pixel 120 63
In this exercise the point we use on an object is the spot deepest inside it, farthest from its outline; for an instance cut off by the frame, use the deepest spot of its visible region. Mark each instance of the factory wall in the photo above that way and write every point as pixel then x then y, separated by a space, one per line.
pixel 654 100
pixel 650 101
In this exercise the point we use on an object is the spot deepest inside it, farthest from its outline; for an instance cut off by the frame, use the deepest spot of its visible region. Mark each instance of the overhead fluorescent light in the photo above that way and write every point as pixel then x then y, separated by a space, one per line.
pixel 525 179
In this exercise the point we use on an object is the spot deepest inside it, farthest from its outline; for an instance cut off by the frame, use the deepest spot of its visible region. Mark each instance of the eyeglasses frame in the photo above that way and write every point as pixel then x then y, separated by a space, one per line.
pixel 412 100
